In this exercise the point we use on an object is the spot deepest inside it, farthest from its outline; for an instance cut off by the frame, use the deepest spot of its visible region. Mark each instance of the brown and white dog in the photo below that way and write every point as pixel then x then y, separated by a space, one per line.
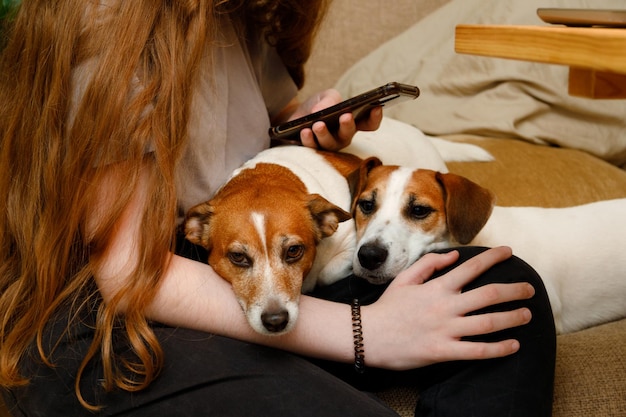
pixel 281 225
pixel 275 230
pixel 402 213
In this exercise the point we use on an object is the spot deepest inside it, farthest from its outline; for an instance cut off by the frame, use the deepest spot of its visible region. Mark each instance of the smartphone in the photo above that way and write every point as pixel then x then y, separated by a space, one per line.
pixel 359 106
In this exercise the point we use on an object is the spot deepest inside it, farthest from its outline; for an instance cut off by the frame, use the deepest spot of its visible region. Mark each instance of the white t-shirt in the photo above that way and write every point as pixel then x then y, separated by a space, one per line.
pixel 230 113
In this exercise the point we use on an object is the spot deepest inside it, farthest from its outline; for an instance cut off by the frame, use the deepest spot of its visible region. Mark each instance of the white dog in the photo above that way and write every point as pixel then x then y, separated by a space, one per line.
pixel 402 213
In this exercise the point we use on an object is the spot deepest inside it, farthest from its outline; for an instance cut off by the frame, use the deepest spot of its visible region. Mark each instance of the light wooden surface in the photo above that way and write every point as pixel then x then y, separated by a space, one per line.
pixel 596 56
pixel 584 82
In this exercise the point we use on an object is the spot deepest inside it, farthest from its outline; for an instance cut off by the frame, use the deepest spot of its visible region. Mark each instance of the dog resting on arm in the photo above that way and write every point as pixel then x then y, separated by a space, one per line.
pixel 281 225
pixel 402 213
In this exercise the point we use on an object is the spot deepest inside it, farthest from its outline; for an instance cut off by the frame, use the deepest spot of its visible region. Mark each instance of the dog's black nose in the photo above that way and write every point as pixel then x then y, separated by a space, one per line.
pixel 372 256
pixel 275 321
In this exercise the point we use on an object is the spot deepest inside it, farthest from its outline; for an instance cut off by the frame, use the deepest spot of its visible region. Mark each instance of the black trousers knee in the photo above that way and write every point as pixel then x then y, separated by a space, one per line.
pixel 517 385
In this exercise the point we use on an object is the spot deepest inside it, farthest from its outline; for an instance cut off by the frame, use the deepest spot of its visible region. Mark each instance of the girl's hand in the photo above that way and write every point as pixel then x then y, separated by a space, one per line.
pixel 428 319
pixel 320 136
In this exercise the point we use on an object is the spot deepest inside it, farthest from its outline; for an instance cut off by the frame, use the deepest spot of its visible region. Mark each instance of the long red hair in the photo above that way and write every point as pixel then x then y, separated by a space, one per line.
pixel 56 144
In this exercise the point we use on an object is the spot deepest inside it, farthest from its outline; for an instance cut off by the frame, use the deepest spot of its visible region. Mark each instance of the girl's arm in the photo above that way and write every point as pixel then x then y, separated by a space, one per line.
pixel 413 324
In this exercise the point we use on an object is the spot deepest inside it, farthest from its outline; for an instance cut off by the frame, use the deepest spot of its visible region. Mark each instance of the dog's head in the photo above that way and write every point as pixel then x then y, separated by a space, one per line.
pixel 401 214
pixel 261 230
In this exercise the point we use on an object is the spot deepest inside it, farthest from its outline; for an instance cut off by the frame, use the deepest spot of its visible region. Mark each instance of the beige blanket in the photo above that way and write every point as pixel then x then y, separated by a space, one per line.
pixel 490 96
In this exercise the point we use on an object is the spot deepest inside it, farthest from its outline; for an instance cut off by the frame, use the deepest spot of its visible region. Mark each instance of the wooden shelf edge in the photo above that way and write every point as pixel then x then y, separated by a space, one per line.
pixel 602 49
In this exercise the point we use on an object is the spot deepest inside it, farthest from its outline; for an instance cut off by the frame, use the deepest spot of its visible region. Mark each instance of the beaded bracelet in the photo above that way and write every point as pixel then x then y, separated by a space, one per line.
pixel 357 331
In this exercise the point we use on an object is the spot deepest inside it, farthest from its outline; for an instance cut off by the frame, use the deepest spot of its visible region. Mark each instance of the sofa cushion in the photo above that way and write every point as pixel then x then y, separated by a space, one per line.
pixel 525 174
pixel 590 375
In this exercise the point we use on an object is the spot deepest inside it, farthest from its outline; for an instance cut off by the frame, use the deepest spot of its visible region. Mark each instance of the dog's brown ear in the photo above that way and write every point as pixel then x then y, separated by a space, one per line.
pixel 326 215
pixel 468 206
pixel 198 223
pixel 358 178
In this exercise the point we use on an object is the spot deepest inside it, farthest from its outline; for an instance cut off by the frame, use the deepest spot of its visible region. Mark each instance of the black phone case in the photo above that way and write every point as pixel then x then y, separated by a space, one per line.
pixel 359 106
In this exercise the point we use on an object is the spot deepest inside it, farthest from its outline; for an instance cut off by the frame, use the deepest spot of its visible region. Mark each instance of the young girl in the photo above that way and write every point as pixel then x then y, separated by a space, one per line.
pixel 116 117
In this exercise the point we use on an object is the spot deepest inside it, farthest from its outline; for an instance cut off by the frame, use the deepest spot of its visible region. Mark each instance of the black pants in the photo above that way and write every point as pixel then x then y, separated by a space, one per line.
pixel 207 375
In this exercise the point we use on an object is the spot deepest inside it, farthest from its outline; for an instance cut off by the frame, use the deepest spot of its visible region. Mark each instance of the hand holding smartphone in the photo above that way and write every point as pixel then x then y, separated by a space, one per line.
pixel 359 106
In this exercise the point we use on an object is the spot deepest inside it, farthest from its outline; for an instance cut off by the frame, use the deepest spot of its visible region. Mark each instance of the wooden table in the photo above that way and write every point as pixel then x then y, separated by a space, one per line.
pixel 596 56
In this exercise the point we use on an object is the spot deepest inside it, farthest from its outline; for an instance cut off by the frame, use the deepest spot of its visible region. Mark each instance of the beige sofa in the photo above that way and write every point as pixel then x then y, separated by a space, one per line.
pixel 591 364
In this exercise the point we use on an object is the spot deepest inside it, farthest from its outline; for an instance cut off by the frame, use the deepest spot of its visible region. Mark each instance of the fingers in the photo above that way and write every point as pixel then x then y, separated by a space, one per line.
pixel 425 267
pixel 308 138
pixel 338 140
pixel 320 136
pixel 434 318
pixel 469 270
pixel 480 350
pixel 373 121
pixel 488 323
pixel 455 280
pixel 493 294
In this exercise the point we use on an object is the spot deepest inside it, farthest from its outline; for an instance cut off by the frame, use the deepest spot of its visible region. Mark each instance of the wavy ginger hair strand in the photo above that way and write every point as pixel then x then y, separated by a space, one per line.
pixel 54 170
pixel 54 154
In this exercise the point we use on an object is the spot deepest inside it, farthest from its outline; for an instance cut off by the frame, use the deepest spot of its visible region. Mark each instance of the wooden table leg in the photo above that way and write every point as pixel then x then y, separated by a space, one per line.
pixel 590 83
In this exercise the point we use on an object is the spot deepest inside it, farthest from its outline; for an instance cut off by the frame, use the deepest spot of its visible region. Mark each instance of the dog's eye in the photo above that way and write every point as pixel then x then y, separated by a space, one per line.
pixel 366 206
pixel 239 259
pixel 294 253
pixel 420 212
